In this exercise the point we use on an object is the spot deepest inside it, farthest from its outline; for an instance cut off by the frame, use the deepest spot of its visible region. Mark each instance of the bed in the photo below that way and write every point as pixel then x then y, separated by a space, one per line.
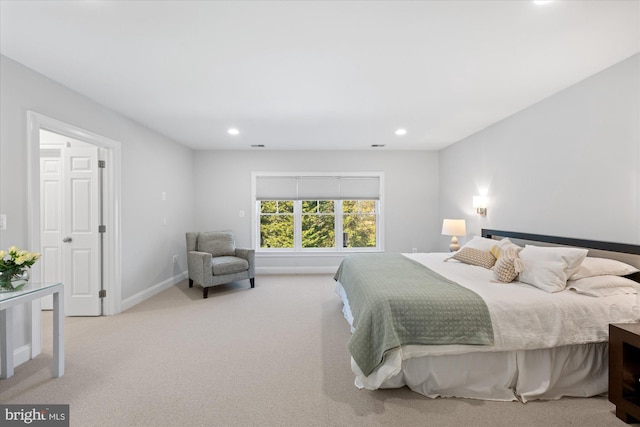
pixel 542 342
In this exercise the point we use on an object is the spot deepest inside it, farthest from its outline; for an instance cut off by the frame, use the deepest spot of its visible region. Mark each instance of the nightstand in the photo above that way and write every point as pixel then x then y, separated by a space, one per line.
pixel 624 370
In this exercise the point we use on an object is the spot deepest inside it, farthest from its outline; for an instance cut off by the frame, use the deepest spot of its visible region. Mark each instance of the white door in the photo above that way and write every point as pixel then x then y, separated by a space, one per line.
pixel 81 238
pixel 50 218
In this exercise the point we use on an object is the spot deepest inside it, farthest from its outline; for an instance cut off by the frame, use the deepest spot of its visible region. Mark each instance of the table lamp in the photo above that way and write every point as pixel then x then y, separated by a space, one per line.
pixel 454 228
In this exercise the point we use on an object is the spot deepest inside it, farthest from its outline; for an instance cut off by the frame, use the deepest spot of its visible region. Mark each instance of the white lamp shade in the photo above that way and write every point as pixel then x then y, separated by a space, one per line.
pixel 454 227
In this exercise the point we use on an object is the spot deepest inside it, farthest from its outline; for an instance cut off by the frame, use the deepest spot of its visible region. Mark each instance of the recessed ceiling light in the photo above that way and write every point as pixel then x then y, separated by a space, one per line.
pixel 541 2
pixel 401 132
pixel 233 131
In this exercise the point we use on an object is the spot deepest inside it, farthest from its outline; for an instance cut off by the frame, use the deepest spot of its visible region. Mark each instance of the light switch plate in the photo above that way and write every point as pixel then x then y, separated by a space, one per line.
pixel 3 221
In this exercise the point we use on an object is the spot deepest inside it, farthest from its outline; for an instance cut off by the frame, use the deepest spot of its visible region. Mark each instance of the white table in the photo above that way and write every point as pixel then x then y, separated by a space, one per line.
pixel 30 292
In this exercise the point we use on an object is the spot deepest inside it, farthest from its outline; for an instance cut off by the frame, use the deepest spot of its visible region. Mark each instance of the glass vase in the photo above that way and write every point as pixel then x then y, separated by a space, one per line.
pixel 13 282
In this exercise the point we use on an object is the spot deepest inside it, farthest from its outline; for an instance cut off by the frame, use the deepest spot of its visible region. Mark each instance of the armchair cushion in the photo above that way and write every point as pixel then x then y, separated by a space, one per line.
pixel 217 243
pixel 228 265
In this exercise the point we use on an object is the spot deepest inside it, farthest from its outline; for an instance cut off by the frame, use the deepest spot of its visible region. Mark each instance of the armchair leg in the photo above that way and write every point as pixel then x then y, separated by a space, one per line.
pixel 253 282
pixel 191 283
pixel 205 293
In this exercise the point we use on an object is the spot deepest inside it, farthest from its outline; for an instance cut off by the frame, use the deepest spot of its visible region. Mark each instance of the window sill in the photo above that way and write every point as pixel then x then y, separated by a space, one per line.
pixel 283 254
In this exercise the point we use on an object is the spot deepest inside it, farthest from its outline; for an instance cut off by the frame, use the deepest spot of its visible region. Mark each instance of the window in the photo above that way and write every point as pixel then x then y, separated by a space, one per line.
pixel 296 212
pixel 318 224
pixel 276 224
pixel 359 223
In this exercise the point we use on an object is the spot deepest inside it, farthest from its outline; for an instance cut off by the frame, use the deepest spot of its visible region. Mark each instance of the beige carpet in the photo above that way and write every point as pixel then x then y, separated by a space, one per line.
pixel 270 356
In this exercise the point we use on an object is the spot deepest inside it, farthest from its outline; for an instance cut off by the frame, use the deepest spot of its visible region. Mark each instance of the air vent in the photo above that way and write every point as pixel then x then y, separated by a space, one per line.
pixel 377 145
pixel 257 146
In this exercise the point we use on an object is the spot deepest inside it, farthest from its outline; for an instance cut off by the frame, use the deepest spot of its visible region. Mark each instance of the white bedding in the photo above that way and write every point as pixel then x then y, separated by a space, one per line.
pixel 524 318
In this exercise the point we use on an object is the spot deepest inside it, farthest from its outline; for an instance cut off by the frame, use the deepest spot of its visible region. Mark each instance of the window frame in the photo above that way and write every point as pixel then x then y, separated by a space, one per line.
pixel 338 216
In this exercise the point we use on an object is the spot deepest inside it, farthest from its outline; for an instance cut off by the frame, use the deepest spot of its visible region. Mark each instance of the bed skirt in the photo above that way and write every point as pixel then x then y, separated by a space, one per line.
pixel 575 370
pixel 579 371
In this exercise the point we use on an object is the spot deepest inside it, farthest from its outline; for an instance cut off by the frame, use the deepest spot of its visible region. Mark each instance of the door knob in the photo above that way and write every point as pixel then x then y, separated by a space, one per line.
pixel 67 239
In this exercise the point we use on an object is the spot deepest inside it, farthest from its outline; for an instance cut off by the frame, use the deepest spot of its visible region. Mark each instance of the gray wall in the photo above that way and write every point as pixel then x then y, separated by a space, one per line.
pixel 151 164
pixel 223 188
pixel 568 165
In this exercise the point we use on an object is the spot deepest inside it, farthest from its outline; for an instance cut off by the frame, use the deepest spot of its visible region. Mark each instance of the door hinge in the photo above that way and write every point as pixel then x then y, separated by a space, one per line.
pixel 102 229
pixel 102 293
pixel 102 164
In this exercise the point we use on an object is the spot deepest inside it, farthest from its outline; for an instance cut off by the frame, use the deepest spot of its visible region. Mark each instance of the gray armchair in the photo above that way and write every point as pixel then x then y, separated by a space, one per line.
pixel 213 259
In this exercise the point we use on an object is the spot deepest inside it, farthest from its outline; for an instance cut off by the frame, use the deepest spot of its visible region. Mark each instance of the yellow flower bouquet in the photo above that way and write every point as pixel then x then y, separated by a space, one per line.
pixel 14 264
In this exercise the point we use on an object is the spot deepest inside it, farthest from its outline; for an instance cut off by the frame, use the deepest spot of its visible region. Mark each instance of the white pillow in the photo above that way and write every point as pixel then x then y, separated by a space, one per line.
pixel 602 286
pixel 482 243
pixel 602 267
pixel 548 268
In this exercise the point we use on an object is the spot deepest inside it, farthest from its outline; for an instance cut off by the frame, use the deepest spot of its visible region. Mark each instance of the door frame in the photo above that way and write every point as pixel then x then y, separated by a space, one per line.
pixel 112 269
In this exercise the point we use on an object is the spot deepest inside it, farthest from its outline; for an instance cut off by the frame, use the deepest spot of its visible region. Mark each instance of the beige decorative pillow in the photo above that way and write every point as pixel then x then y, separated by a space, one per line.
pixel 474 257
pixel 508 266
pixel 497 249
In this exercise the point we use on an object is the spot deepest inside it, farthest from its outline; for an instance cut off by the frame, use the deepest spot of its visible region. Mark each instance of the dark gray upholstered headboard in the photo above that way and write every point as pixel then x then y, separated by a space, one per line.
pixel 621 251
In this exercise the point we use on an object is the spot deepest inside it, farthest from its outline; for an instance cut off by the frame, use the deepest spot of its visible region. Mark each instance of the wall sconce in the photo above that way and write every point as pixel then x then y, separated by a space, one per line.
pixel 480 204
pixel 454 227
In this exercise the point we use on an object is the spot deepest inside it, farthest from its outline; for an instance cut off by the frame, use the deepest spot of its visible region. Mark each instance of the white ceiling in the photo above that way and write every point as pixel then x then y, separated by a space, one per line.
pixel 318 75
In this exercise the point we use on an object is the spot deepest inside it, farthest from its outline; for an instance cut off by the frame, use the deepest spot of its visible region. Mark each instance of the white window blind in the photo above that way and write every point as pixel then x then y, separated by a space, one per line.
pixel 359 188
pixel 276 187
pixel 311 187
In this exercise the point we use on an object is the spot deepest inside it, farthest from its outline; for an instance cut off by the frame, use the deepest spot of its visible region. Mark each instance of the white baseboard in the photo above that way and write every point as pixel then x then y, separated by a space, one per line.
pixel 149 292
pixel 297 270
pixel 21 355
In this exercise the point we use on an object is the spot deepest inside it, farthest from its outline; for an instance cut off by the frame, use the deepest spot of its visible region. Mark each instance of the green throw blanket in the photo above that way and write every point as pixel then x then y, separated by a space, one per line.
pixel 397 301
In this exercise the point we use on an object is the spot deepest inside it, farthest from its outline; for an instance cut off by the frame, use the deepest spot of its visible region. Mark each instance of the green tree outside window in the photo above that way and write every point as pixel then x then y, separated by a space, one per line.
pixel 318 223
